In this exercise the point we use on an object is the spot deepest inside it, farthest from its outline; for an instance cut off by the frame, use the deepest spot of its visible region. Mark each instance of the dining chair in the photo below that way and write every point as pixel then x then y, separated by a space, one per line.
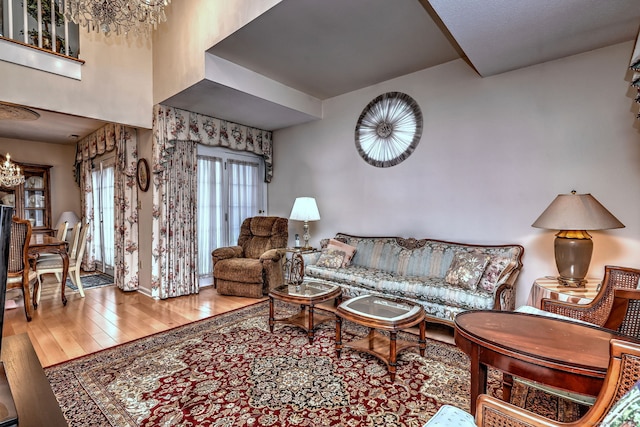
pixel 61 232
pixel 54 265
pixel 20 274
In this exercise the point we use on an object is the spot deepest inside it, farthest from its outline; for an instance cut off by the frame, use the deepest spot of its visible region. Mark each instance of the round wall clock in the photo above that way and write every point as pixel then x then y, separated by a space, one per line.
pixel 143 174
pixel 389 129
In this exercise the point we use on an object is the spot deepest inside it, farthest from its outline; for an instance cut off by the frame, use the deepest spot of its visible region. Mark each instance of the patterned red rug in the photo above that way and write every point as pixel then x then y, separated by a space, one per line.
pixel 229 370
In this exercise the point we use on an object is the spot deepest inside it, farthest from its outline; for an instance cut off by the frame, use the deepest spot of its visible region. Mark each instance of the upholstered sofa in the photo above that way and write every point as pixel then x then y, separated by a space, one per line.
pixel 434 273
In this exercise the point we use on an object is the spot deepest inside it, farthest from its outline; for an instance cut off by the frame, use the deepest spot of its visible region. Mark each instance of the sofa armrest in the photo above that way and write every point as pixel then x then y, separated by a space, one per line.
pixel 225 253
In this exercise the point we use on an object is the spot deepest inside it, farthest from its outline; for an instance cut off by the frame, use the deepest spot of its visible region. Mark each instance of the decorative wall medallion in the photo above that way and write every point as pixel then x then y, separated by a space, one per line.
pixel 389 129
pixel 143 174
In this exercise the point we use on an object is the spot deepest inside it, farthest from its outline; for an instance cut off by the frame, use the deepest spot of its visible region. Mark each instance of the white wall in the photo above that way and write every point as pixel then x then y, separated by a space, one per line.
pixel 494 153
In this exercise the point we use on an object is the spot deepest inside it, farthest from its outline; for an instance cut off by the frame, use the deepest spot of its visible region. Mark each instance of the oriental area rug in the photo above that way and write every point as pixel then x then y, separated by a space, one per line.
pixel 229 370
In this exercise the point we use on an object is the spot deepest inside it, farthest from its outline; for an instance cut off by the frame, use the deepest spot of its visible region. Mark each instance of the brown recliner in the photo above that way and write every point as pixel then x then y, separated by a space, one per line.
pixel 255 265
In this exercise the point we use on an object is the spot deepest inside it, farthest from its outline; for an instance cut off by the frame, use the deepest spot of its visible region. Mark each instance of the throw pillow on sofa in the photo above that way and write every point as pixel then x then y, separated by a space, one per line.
pixel 466 269
pixel 496 270
pixel 348 250
pixel 331 258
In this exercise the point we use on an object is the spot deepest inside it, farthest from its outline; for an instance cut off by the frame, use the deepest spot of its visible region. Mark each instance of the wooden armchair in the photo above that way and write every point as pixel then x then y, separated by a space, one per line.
pixel 597 311
pixel 623 372
pixel 625 312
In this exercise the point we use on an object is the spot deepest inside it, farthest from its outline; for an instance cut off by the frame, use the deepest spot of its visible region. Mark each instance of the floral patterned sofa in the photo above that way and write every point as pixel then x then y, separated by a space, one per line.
pixel 444 277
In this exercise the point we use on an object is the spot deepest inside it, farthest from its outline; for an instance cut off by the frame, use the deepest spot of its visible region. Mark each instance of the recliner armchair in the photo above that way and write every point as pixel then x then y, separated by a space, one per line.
pixel 255 265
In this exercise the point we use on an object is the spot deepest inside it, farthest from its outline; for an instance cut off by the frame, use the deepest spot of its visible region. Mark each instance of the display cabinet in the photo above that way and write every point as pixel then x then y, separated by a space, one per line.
pixel 32 199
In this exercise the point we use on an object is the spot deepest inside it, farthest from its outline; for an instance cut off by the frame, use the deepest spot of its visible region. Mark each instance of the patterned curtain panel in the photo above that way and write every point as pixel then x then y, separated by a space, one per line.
pixel 635 66
pixel 124 141
pixel 172 125
pixel 175 231
pixel 126 212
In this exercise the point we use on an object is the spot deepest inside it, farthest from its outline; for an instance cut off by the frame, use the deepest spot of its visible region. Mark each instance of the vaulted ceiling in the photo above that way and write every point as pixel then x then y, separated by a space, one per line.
pixel 326 48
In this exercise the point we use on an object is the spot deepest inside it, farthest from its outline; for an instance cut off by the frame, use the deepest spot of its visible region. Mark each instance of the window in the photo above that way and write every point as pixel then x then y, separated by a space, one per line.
pixel 103 177
pixel 230 188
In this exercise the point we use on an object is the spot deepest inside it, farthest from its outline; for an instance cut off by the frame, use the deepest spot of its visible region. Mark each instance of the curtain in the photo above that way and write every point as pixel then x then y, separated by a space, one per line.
pixel 125 237
pixel 243 182
pixel 124 141
pixel 175 135
pixel 635 67
pixel 175 246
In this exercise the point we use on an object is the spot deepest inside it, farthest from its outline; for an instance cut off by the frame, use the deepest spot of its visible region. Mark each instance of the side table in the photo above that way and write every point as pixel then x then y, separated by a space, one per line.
pixel 549 287
pixel 294 265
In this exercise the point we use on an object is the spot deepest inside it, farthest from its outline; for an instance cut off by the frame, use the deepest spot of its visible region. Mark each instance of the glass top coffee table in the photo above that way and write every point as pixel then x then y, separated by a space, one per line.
pixel 307 294
pixel 388 314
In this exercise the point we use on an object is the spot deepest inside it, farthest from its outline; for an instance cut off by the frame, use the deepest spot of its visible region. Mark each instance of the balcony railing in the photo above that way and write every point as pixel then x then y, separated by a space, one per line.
pixel 39 23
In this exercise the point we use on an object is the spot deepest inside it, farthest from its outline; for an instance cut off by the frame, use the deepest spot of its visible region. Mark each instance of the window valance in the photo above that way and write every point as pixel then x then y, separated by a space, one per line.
pixel 171 125
pixel 99 142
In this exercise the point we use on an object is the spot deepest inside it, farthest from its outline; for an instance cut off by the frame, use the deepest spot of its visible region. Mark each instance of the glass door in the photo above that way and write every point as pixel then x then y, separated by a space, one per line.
pixel 104 215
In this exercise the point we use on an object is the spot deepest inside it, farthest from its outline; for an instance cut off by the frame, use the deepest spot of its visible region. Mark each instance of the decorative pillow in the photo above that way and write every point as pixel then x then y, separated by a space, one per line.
pixel 331 258
pixel 348 250
pixel 626 411
pixel 466 269
pixel 498 268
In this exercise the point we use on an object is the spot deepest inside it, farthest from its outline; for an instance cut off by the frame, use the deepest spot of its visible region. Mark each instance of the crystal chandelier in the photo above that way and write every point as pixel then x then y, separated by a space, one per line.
pixel 137 17
pixel 10 174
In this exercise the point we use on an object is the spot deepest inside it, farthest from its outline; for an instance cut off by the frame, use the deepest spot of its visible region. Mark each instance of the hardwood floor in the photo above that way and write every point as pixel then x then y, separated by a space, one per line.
pixel 107 317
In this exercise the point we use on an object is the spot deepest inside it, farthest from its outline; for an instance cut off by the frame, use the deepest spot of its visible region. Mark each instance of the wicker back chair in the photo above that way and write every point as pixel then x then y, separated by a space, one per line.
pixel 597 311
pixel 622 374
pixel 19 273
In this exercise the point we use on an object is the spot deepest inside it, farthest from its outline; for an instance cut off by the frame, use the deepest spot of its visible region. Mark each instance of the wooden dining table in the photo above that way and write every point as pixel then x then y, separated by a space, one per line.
pixel 45 244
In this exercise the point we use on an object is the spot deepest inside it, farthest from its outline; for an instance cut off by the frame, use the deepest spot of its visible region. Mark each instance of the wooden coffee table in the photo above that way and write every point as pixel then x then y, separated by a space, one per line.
pixel 387 314
pixel 559 353
pixel 307 294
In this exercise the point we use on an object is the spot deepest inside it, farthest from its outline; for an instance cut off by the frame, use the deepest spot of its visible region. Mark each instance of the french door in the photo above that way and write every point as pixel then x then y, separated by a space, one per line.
pixel 230 188
pixel 103 176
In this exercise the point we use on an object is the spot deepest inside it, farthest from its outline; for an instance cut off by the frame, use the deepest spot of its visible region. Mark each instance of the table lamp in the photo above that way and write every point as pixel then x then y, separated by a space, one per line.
pixel 305 209
pixel 573 214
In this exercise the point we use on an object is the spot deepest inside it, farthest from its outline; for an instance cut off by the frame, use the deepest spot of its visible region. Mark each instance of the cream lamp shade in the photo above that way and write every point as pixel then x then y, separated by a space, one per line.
pixel 573 214
pixel 70 218
pixel 305 209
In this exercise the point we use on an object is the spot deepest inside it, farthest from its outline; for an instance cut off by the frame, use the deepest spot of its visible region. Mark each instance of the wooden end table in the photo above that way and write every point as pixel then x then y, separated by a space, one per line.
pixel 567 355
pixel 549 287
pixel 387 314
pixel 307 294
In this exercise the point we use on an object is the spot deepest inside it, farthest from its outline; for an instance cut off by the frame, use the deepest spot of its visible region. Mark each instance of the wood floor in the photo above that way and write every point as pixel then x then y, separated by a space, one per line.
pixel 108 316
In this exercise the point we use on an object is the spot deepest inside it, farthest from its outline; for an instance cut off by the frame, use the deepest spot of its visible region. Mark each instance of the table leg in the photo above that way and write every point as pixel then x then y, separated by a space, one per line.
pixel 392 355
pixel 271 318
pixel 338 335
pixel 478 378
pixel 507 385
pixel 422 342
pixel 65 271
pixel 310 327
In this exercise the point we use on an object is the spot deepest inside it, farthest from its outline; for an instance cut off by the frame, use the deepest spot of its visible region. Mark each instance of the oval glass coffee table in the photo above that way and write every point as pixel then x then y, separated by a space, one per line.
pixel 307 294
pixel 388 314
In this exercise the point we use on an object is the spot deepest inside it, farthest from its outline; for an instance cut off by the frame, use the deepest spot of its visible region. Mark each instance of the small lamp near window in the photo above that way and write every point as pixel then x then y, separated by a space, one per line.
pixel 305 209
pixel 573 214
pixel 70 218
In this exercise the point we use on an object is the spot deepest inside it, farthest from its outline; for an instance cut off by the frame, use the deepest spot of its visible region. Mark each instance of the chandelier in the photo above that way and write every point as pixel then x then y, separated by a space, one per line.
pixel 10 174
pixel 137 17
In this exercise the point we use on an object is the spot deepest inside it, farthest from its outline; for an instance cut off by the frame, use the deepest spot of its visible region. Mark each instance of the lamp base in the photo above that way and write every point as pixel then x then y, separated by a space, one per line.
pixel 571 283
pixel 573 251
